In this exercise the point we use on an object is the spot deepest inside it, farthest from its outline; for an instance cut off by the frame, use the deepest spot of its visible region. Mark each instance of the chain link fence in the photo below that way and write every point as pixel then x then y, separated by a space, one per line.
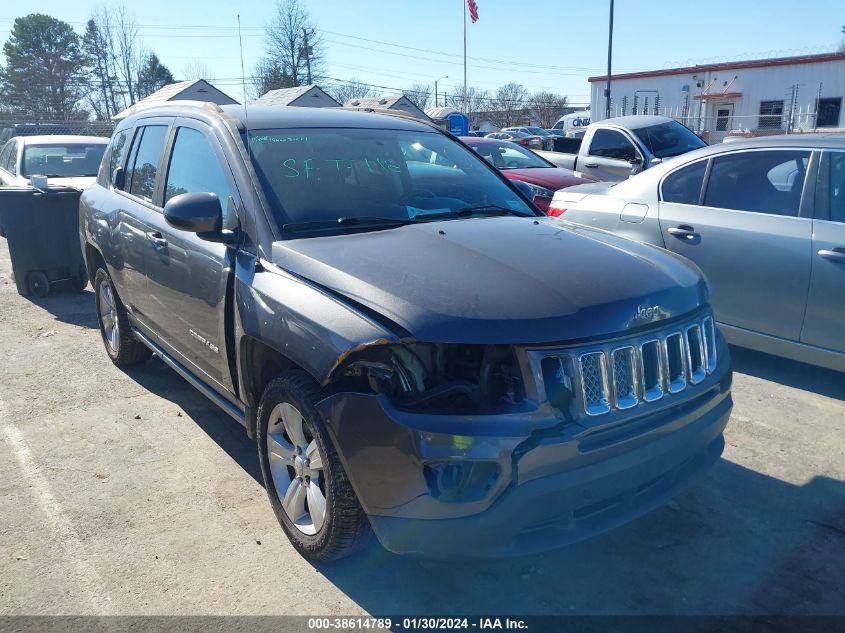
pixel 24 127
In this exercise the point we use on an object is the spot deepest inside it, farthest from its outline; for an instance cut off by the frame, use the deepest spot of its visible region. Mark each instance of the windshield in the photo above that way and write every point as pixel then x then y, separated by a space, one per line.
pixel 65 160
pixel 332 175
pixel 669 139
pixel 506 155
pixel 538 131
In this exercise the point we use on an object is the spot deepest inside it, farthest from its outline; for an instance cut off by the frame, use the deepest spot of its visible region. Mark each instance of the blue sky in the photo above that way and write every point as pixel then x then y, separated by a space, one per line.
pixel 543 44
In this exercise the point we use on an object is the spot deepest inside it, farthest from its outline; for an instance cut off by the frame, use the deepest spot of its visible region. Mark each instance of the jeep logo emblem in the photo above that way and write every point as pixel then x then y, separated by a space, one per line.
pixel 647 313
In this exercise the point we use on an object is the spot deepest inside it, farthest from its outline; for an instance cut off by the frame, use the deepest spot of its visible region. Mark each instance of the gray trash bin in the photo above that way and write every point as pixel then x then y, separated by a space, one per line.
pixel 42 231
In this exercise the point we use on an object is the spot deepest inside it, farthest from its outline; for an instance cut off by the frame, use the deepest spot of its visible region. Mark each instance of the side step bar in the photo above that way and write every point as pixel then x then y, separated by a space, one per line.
pixel 230 408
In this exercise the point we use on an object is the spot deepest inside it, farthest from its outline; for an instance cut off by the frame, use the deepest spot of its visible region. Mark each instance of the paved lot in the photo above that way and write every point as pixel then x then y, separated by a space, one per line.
pixel 128 493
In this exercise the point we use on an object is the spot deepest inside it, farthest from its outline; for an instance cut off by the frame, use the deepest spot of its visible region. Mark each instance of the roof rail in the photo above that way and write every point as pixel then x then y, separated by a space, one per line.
pixel 187 103
pixel 396 113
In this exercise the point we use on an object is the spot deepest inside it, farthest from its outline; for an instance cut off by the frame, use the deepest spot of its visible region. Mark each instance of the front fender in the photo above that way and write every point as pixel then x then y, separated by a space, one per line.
pixel 306 325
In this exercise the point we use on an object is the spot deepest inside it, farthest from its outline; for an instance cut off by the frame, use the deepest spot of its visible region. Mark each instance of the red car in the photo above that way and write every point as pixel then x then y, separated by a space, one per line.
pixel 518 163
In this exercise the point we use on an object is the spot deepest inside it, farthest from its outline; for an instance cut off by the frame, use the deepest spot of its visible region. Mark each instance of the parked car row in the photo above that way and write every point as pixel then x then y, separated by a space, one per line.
pixel 417 350
pixel 387 315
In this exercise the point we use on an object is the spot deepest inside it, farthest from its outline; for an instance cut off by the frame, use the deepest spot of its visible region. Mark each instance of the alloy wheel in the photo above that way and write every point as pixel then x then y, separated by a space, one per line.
pixel 296 465
pixel 108 316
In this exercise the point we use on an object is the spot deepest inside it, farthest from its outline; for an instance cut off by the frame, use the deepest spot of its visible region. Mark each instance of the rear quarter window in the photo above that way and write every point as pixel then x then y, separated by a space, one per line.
pixel 683 186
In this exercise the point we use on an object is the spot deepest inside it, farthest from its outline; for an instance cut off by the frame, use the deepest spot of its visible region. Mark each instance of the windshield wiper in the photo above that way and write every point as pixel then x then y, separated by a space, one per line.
pixel 345 221
pixel 465 212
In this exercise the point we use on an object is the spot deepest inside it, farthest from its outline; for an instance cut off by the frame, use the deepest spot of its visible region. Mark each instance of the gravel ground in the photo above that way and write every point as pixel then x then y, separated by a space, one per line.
pixel 126 492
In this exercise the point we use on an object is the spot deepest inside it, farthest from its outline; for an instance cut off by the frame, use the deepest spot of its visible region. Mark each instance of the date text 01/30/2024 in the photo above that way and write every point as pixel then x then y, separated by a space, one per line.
pixel 416 623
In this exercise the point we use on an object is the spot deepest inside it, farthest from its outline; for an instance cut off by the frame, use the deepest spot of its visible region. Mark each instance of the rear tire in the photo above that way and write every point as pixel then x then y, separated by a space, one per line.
pixel 308 488
pixel 121 345
pixel 38 284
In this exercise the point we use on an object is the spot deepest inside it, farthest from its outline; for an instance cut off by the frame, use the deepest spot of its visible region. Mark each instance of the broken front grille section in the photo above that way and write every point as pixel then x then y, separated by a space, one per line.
pixel 622 377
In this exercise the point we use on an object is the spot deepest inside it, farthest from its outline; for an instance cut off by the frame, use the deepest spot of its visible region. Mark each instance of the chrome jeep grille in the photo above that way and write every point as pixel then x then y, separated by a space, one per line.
pixel 619 377
pixel 594 383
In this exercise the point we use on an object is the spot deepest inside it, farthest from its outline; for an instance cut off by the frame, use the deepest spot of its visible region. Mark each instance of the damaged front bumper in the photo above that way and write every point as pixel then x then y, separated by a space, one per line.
pixel 470 486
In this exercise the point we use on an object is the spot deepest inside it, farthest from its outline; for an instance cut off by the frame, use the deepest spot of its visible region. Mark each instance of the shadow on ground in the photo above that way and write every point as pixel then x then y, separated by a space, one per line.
pixel 785 371
pixel 736 542
pixel 68 305
pixel 158 378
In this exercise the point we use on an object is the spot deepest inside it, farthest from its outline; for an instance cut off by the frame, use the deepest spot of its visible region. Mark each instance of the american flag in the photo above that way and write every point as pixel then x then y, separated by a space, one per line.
pixel 473 11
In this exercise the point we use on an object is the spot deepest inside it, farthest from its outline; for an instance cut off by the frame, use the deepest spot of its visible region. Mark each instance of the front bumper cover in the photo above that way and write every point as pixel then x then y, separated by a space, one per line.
pixel 554 485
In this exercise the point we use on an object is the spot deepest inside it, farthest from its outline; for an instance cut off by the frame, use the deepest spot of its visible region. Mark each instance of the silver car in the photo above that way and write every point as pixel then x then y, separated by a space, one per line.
pixel 763 218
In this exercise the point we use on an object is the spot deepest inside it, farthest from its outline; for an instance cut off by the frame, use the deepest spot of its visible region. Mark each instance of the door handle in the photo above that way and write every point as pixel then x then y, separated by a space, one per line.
pixel 835 255
pixel 158 241
pixel 685 231
pixel 591 164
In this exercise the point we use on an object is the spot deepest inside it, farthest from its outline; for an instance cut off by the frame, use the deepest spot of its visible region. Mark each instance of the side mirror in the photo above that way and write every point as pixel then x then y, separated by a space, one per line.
pixel 195 212
pixel 118 178
pixel 524 188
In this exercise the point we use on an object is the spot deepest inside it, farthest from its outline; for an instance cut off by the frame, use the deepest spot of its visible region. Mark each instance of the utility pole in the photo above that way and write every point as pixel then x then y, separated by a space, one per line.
pixel 465 56
pixel 609 58
pixel 307 50
pixel 435 89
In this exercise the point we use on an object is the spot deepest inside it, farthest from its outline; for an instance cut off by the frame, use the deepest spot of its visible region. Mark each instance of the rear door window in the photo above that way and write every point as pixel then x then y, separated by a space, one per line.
pixel 612 144
pixel 141 178
pixel 830 196
pixel 769 181
pixel 684 185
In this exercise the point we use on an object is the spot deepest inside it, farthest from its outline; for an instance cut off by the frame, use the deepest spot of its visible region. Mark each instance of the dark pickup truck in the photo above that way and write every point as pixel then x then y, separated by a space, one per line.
pixel 416 349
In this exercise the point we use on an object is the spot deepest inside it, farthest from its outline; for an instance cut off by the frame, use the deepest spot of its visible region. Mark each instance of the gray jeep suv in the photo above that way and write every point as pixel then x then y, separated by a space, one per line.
pixel 414 347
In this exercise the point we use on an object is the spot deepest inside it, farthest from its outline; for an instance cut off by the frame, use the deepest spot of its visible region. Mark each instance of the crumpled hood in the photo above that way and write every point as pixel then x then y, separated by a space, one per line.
pixel 499 280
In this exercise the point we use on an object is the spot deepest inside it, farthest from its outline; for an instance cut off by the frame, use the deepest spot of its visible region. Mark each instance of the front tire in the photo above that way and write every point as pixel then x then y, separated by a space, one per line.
pixel 121 346
pixel 305 481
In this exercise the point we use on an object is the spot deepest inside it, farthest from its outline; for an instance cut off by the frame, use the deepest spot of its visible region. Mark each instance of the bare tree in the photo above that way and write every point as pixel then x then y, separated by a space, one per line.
pixel 196 69
pixel 509 104
pixel 293 44
pixel 842 44
pixel 128 56
pixel 269 76
pixel 546 107
pixel 354 88
pixel 421 95
pixel 478 101
pixel 99 48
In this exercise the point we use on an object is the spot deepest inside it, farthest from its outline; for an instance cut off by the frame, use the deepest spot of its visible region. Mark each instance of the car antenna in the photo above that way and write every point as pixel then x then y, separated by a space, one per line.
pixel 243 84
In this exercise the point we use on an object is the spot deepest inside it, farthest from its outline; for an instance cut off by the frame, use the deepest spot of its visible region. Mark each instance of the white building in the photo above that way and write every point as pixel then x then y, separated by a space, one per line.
pixel 397 102
pixel 756 97
pixel 303 96
pixel 193 90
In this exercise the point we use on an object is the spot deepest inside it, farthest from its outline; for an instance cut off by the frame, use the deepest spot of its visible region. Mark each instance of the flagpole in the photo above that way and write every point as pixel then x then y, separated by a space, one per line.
pixel 463 2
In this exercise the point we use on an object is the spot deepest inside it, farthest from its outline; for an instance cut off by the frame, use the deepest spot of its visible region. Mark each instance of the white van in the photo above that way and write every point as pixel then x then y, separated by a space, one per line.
pixel 573 124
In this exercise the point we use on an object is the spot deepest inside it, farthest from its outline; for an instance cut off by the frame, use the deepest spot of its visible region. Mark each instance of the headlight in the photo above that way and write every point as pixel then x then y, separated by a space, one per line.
pixel 541 192
pixel 440 378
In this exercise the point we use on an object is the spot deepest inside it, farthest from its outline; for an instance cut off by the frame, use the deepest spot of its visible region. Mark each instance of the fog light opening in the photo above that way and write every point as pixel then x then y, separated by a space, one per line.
pixel 461 481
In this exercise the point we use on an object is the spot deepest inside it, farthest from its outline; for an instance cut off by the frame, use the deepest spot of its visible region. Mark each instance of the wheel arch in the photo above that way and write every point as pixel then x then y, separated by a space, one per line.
pixel 93 259
pixel 258 364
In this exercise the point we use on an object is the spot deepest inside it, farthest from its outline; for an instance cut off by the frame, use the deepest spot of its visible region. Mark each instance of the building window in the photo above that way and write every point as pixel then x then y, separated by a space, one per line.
pixel 828 112
pixel 771 114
